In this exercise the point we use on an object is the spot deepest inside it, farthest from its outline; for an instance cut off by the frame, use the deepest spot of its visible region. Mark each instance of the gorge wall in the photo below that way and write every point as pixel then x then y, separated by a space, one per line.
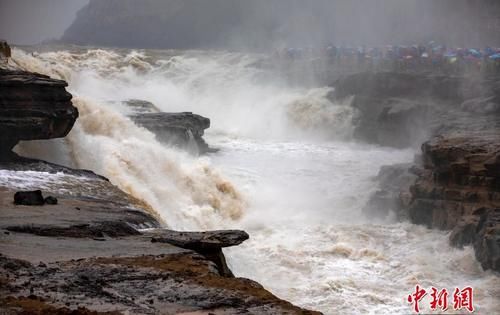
pixel 454 184
pixel 267 24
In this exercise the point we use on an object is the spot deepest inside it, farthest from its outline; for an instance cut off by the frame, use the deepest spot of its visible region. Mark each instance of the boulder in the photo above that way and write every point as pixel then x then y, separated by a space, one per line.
pixel 184 130
pixel 32 107
pixel 51 200
pixel 487 240
pixel 209 244
pixel 29 198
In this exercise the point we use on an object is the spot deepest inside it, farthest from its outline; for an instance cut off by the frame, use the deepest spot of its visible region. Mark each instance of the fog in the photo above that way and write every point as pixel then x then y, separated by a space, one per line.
pixel 265 24
pixel 257 24
pixel 29 22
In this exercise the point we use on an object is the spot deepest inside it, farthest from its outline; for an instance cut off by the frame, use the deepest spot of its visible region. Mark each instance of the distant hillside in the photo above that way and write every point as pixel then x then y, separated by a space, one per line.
pixel 261 24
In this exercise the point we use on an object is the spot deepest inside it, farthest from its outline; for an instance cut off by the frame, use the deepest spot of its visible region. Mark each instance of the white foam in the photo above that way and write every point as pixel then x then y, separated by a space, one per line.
pixel 283 175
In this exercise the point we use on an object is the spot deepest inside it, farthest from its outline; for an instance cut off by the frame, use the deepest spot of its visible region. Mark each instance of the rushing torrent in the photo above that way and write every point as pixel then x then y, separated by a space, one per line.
pixel 287 172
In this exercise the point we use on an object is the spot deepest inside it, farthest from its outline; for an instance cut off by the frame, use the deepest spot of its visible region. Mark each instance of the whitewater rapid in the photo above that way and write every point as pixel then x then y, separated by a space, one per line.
pixel 287 172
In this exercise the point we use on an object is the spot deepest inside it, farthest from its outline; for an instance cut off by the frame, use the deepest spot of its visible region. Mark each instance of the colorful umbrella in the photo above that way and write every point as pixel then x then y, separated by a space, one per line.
pixel 495 56
pixel 475 53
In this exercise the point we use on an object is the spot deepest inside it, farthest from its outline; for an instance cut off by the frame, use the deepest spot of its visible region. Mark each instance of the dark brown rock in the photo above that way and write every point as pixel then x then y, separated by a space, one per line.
pixel 457 177
pixel 458 189
pixel 91 230
pixel 202 240
pixel 464 232
pixel 33 106
pixel 487 240
pixel 209 244
pixel 184 130
pixel 148 284
pixel 95 260
pixel 50 200
pixel 29 198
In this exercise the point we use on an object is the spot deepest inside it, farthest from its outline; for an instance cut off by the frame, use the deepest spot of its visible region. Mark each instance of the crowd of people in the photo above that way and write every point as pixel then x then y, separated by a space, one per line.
pixel 431 57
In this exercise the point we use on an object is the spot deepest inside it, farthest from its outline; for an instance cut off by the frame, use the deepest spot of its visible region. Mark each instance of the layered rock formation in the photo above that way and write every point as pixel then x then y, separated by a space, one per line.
pixel 32 107
pixel 208 244
pixel 87 254
pixel 459 189
pixel 455 183
pixel 181 130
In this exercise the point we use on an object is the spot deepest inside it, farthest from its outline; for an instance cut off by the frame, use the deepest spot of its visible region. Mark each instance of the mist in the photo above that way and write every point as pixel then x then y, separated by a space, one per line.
pixel 30 22
pixel 353 168
pixel 260 24
pixel 256 24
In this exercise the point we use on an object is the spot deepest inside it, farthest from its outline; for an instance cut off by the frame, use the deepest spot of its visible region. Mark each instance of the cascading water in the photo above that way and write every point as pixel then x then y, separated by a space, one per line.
pixel 292 178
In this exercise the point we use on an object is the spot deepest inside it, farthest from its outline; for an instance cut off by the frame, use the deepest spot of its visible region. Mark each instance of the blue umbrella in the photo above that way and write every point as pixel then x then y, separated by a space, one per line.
pixel 475 53
pixel 495 56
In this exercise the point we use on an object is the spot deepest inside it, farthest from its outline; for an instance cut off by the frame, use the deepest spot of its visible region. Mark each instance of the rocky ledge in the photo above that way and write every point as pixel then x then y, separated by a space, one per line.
pixel 90 248
pixel 459 189
pixel 89 254
pixel 454 184
pixel 32 107
pixel 182 130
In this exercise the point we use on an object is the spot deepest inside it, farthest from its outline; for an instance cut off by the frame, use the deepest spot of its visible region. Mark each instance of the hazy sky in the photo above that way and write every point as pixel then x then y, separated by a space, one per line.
pixel 28 22
pixel 252 23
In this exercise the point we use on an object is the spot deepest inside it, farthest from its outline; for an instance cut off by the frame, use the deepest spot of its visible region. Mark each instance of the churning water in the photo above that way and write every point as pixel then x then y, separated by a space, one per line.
pixel 287 172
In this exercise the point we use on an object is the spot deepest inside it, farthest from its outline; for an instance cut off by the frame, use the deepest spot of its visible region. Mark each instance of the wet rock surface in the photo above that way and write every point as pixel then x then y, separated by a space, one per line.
pixel 455 182
pixel 87 254
pixel 81 250
pixel 29 198
pixel 167 284
pixel 183 130
pixel 202 240
pixel 456 187
pixel 393 194
pixel 32 107
pixel 208 244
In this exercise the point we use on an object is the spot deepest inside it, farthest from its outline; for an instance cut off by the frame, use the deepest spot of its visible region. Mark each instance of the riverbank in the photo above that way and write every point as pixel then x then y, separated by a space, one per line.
pixel 294 170
pixel 98 250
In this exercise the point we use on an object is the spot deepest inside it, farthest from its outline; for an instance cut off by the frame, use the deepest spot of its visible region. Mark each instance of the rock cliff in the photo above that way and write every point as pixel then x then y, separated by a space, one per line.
pixel 264 24
pixel 32 107
pixel 459 189
pixel 454 184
